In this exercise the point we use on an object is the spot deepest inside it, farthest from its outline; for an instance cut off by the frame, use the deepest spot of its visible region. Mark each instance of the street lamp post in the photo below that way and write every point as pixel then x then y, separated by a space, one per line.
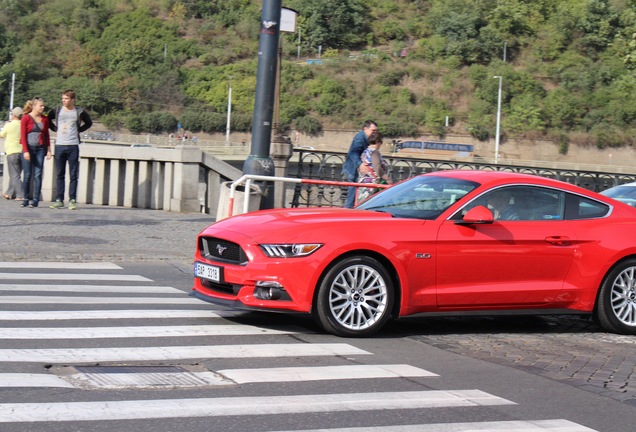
pixel 229 114
pixel 498 120
pixel 11 99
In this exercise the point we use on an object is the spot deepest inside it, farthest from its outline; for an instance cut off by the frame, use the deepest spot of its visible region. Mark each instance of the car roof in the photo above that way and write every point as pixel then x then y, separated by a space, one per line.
pixel 496 178
pixel 488 176
pixel 632 184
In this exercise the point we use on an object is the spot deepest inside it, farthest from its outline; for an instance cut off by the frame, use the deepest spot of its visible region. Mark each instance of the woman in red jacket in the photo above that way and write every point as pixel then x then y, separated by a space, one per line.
pixel 36 144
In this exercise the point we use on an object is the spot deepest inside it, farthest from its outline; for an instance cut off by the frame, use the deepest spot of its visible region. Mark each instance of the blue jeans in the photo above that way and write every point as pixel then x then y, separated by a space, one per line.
pixel 64 154
pixel 351 190
pixel 33 168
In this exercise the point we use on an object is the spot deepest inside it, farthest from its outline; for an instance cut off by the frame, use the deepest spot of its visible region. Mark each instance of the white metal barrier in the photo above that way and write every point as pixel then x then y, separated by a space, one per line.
pixel 249 178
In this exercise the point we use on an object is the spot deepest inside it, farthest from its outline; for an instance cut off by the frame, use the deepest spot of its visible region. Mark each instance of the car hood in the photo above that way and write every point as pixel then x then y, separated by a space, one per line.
pixel 287 224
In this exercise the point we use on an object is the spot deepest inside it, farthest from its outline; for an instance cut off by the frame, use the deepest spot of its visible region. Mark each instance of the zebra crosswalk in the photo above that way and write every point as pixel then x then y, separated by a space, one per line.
pixel 126 332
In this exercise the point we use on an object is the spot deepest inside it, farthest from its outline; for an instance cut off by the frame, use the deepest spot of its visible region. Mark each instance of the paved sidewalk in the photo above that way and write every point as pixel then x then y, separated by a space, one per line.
pixel 97 233
pixel 569 349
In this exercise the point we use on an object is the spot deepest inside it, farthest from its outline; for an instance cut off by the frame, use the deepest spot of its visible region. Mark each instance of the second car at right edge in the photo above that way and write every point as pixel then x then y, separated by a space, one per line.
pixel 625 193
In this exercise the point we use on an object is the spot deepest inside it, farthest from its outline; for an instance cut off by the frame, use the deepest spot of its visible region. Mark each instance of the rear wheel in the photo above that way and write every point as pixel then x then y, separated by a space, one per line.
pixel 355 297
pixel 616 309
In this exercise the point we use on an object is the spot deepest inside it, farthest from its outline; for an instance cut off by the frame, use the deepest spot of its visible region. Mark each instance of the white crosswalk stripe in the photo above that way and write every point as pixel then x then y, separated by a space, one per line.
pixel 318 373
pixel 212 407
pixel 59 265
pixel 32 380
pixel 60 346
pixel 131 354
pixel 68 333
pixel 68 276
pixel 131 289
pixel 500 426
pixel 110 314
pixel 97 300
pixel 237 376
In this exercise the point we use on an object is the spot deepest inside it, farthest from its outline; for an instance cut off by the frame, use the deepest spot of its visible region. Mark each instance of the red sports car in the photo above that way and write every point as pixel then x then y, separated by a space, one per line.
pixel 448 241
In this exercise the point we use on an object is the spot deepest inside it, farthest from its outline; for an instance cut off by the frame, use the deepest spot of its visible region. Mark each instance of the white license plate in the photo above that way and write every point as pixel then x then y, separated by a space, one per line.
pixel 209 272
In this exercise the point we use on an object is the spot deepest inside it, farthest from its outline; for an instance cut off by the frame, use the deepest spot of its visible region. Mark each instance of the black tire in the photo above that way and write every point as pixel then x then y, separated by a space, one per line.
pixel 616 304
pixel 355 297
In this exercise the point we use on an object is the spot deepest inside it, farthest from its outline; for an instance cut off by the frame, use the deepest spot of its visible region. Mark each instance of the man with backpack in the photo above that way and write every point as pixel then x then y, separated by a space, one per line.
pixel 68 121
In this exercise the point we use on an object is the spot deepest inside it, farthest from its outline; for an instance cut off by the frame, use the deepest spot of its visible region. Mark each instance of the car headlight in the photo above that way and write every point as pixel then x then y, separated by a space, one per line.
pixel 289 250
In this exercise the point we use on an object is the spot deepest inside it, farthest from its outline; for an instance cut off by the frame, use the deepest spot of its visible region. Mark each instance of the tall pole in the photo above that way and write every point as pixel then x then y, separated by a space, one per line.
pixel 498 121
pixel 11 98
pixel 229 114
pixel 259 161
pixel 299 42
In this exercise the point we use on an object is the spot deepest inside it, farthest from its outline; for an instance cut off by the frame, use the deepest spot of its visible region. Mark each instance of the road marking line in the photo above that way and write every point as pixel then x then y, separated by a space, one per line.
pixel 112 314
pixel 92 288
pixel 60 265
pixel 95 355
pixel 244 406
pixel 135 332
pixel 98 300
pixel 558 425
pixel 320 373
pixel 130 380
pixel 32 380
pixel 71 276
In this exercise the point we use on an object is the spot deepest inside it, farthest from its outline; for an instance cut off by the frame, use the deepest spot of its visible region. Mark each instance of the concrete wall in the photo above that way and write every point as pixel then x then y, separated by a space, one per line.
pixel 527 152
pixel 180 179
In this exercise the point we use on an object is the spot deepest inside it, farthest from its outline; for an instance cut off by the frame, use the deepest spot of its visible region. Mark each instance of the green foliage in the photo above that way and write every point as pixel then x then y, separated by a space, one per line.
pixel 308 125
pixel 524 115
pixel 563 109
pixel 391 77
pixel 332 23
pixel 431 48
pixel 145 64
pixel 481 121
pixel 134 123
pixel 158 122
pixel 396 128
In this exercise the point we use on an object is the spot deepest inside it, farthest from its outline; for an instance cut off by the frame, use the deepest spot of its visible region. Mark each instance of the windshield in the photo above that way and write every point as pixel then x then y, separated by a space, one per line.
pixel 424 197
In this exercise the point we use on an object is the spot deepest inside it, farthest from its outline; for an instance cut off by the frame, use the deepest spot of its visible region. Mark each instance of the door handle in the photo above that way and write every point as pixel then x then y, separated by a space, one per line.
pixel 558 240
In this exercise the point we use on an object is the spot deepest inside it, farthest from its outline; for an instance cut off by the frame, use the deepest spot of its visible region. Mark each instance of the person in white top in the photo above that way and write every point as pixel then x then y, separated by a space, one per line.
pixel 13 151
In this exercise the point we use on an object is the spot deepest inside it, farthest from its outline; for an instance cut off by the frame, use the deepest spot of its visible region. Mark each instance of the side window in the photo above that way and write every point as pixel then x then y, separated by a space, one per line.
pixel 579 207
pixel 525 203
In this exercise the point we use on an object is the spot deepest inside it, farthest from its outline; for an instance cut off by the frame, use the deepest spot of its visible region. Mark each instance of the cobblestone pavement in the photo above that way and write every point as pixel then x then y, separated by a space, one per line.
pixel 568 349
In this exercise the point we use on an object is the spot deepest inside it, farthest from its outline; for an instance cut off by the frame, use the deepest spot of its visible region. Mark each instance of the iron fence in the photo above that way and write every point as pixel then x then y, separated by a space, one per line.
pixel 327 165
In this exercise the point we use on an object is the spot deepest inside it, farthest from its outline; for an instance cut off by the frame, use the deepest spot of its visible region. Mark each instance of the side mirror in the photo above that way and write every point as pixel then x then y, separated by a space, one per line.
pixel 477 215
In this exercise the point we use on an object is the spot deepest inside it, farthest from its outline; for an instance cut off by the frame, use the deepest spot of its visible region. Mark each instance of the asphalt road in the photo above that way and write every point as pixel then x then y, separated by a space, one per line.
pixel 525 368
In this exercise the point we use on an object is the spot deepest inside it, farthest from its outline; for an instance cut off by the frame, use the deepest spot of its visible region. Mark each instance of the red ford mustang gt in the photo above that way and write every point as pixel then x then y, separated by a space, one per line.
pixel 448 241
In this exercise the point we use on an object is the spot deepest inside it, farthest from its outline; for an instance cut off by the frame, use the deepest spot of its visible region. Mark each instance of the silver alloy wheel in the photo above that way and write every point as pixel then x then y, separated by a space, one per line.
pixel 623 296
pixel 358 297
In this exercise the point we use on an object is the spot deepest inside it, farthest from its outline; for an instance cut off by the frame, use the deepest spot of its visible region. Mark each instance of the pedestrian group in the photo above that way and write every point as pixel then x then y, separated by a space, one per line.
pixel 28 143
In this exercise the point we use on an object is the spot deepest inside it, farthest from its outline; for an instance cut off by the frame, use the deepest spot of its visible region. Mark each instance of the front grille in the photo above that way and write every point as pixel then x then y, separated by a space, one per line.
pixel 221 250
pixel 219 287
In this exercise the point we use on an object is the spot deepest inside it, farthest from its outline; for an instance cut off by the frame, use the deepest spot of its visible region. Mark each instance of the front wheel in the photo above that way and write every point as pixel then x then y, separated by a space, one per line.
pixel 355 297
pixel 616 308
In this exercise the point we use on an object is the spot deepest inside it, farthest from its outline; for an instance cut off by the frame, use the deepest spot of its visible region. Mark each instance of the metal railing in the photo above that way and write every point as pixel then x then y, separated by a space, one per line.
pixel 249 178
pixel 327 165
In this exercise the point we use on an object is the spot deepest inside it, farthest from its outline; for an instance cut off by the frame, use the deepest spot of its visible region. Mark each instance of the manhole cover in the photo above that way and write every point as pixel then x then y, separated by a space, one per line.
pixel 139 377
pixel 72 240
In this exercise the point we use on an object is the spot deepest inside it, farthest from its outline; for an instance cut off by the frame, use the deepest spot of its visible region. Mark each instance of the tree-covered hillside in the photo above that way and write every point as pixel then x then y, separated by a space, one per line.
pixel 568 67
